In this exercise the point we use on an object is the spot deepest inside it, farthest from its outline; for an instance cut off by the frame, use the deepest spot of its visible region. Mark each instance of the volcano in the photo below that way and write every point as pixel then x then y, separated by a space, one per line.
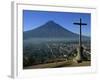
pixel 50 30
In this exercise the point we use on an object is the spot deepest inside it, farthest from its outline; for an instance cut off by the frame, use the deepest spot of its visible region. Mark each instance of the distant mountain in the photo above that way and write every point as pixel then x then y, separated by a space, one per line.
pixel 50 30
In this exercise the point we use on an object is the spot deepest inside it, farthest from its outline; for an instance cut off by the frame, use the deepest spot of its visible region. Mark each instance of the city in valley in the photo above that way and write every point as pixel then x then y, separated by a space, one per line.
pixel 52 54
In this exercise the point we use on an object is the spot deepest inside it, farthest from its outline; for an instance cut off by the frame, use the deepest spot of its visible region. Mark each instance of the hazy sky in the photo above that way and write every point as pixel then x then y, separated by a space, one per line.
pixel 33 19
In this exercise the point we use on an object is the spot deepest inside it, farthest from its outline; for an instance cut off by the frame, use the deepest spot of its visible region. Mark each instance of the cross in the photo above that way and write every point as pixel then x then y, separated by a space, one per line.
pixel 80 37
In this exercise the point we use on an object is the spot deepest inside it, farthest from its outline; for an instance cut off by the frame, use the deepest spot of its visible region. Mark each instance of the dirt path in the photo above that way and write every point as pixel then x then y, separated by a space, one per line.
pixel 59 64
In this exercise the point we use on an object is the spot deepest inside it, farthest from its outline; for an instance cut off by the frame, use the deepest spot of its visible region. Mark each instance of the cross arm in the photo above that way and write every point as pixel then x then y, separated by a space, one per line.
pixel 80 23
pixel 83 24
pixel 76 23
